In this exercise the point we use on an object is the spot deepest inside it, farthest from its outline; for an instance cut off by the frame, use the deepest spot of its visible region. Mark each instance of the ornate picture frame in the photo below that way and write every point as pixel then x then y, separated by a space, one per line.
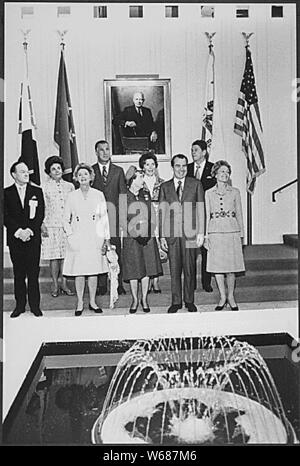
pixel 126 143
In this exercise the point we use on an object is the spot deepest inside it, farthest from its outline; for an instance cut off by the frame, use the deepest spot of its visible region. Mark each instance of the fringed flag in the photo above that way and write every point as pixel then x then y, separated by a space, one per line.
pixel 248 125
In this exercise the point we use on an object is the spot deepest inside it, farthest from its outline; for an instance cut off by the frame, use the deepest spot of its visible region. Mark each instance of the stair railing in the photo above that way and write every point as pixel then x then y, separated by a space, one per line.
pixel 282 188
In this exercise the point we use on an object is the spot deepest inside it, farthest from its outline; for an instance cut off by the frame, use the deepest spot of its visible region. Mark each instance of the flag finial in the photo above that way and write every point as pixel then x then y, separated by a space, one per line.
pixel 247 37
pixel 25 36
pixel 62 38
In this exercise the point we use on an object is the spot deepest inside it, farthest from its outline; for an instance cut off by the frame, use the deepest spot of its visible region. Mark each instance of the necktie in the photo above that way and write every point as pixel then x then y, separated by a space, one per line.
pixel 104 174
pixel 179 190
pixel 140 112
pixel 197 174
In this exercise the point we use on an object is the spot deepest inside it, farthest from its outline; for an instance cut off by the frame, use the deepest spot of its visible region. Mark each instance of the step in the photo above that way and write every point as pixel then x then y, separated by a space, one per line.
pixel 251 278
pixel 257 257
pixel 291 240
pixel 243 295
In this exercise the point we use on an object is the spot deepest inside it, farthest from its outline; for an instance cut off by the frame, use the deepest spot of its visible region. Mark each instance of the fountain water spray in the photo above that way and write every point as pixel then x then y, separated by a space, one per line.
pixel 204 390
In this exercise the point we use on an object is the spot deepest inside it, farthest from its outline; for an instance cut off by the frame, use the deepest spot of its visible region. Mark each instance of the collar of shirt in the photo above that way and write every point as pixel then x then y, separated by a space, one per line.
pixel 106 166
pixel 20 188
pixel 176 181
pixel 201 167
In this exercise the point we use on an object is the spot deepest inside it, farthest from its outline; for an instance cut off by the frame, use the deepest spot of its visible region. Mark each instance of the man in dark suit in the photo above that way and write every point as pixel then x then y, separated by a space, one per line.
pixel 200 168
pixel 182 220
pixel 24 211
pixel 137 120
pixel 110 179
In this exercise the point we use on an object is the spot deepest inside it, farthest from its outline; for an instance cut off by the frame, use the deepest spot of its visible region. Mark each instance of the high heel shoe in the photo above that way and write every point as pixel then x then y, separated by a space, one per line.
pixel 66 291
pixel 78 312
pixel 133 310
pixel 233 308
pixel 151 288
pixel 221 307
pixel 98 310
pixel 156 290
pixel 55 293
pixel 145 309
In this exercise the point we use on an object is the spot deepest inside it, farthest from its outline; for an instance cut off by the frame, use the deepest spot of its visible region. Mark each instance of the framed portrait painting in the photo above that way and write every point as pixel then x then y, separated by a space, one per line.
pixel 137 117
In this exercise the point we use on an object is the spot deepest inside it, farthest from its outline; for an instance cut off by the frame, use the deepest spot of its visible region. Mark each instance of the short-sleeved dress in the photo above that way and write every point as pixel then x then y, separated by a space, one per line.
pixel 139 260
pixel 224 229
pixel 86 225
pixel 55 195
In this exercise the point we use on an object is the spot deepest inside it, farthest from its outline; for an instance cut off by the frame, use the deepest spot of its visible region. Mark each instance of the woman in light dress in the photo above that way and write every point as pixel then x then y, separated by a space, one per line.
pixel 225 231
pixel 56 191
pixel 152 181
pixel 87 228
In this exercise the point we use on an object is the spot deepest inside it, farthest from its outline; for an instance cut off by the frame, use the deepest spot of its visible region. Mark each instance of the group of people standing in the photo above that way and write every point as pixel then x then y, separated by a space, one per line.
pixel 136 213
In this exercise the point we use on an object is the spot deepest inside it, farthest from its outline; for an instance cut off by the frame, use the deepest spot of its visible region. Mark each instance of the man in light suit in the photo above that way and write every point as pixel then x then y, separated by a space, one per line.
pixel 200 168
pixel 110 179
pixel 182 220
pixel 24 211
pixel 137 120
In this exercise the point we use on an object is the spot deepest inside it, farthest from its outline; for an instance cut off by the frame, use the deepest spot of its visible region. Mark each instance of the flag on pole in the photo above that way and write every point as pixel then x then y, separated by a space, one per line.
pixel 248 125
pixel 207 118
pixel 64 129
pixel 27 126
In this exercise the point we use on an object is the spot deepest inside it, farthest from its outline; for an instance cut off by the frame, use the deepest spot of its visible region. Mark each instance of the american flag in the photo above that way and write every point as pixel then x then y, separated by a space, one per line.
pixel 248 125
pixel 207 118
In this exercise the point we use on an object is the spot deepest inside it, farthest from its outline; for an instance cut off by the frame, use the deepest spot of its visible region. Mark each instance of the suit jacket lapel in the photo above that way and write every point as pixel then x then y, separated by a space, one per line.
pixel 110 174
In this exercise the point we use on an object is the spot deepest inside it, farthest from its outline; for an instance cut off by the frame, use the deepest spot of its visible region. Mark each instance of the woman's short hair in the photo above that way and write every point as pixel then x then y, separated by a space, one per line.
pixel 219 164
pixel 84 166
pixel 147 156
pixel 51 161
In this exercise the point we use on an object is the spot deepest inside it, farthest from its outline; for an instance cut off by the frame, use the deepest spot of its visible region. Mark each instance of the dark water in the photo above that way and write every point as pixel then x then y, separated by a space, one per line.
pixel 66 402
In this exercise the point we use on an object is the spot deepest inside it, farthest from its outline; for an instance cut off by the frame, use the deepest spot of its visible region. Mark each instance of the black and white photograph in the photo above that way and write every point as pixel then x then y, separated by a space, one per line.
pixel 150 226
pixel 138 115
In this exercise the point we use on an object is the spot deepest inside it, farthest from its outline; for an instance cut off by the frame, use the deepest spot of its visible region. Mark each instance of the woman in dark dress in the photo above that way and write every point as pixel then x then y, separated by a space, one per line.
pixel 140 252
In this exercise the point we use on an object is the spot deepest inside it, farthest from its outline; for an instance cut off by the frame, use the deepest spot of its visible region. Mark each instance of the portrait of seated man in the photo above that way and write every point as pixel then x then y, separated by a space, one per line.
pixel 136 121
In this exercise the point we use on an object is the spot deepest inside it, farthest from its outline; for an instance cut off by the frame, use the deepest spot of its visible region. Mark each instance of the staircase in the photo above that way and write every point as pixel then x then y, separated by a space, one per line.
pixel 271 275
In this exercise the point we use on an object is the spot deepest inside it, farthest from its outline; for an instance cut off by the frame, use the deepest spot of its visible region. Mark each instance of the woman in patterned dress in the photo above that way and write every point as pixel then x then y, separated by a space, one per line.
pixel 225 232
pixel 140 256
pixel 148 163
pixel 87 228
pixel 55 191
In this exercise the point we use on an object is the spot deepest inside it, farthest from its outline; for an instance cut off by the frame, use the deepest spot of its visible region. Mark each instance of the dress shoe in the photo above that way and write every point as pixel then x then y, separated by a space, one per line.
pixel 98 310
pixel 67 292
pixel 208 288
pixel 78 312
pixel 191 307
pixel 220 307
pixel 121 290
pixel 16 312
pixel 145 309
pixel 55 293
pixel 233 308
pixel 132 309
pixel 37 312
pixel 155 290
pixel 174 308
pixel 102 290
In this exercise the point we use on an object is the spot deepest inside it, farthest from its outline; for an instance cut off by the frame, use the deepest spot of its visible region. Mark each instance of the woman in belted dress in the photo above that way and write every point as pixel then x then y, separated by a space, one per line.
pixel 224 233
pixel 87 228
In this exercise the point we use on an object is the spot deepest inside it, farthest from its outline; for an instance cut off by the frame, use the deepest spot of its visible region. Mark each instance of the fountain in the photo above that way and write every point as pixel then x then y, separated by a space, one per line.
pixel 181 391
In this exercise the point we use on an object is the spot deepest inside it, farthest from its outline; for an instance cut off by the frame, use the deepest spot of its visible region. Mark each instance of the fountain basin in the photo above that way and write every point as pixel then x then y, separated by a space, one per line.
pixel 249 422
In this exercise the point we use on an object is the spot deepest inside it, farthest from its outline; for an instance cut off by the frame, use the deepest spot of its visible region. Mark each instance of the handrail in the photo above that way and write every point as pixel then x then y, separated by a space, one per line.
pixel 282 188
